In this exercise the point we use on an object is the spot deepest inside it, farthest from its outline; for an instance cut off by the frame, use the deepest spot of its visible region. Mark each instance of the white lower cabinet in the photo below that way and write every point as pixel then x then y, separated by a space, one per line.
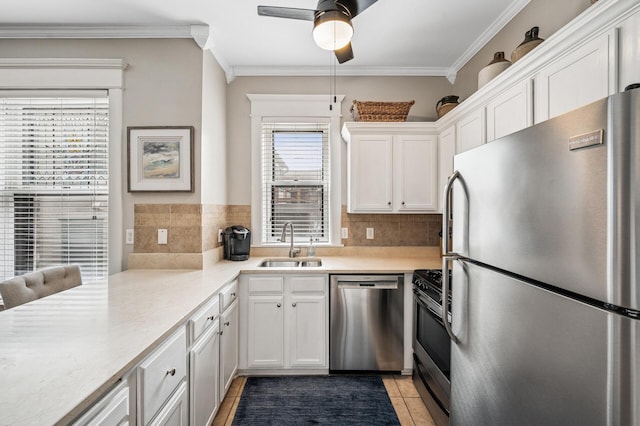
pixel 111 410
pixel 160 375
pixel 229 329
pixel 204 367
pixel 286 322
pixel 175 412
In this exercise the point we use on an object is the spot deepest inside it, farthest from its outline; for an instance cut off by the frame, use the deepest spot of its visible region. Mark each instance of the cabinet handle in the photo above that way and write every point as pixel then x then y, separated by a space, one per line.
pixel 227 323
pixel 278 305
pixel 171 372
pixel 210 318
pixel 403 203
pixel 221 331
pixel 233 295
pixel 293 304
pixel 389 203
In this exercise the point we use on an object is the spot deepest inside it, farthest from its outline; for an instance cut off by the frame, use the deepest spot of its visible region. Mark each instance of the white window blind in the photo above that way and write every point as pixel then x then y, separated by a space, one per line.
pixel 54 182
pixel 295 180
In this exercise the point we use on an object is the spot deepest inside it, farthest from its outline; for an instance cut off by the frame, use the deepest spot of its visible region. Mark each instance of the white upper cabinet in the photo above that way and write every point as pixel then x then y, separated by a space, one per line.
pixel 446 152
pixel 370 178
pixel 577 78
pixel 392 167
pixel 629 51
pixel 470 131
pixel 510 111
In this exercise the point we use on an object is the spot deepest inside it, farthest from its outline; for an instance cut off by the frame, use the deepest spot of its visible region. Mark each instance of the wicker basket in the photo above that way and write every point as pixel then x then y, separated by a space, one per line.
pixel 380 111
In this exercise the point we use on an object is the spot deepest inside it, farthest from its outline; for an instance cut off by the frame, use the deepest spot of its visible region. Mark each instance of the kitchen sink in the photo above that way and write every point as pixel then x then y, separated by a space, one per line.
pixel 290 263
pixel 279 263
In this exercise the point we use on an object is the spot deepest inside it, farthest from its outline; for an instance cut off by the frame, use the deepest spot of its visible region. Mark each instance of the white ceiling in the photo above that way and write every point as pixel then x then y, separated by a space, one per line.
pixel 392 37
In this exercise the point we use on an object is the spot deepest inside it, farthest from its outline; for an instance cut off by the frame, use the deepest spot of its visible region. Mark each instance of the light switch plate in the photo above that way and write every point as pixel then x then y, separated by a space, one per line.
pixel 220 231
pixel 369 233
pixel 162 236
pixel 344 233
pixel 128 239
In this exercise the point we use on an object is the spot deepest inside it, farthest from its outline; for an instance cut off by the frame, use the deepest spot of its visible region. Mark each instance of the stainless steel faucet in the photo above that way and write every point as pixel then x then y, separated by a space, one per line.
pixel 293 251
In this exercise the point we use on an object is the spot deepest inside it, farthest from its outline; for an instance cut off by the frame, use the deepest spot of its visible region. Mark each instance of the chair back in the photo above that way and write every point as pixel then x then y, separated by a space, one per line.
pixel 42 283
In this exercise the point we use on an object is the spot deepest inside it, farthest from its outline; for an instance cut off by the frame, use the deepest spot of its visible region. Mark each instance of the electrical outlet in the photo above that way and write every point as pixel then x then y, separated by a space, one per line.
pixel 220 232
pixel 369 233
pixel 128 239
pixel 162 236
pixel 344 233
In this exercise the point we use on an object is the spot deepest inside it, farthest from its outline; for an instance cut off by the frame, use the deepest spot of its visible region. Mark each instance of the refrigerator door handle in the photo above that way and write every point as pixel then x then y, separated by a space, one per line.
pixel 447 255
pixel 445 295
pixel 446 213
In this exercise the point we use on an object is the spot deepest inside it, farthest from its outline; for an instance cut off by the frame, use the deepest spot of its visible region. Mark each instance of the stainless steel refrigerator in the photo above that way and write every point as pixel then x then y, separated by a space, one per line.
pixel 546 255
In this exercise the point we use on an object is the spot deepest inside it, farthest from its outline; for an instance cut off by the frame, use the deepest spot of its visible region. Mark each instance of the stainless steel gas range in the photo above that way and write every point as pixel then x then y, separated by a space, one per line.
pixel 431 345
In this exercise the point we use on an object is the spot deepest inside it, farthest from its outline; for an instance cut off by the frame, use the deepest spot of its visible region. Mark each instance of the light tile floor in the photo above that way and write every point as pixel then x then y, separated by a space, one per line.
pixel 410 409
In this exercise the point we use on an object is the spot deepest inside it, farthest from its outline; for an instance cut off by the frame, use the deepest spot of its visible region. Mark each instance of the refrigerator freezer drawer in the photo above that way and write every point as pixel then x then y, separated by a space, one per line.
pixel 528 356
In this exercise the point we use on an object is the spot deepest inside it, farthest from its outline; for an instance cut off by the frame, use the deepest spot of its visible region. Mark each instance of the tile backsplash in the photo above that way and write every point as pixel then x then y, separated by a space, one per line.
pixel 193 228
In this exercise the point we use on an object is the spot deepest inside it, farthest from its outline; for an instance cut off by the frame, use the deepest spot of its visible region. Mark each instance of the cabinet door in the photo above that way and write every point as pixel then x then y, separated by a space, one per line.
pixel 111 410
pixel 415 173
pixel 307 330
pixel 510 111
pixel 446 152
pixel 307 320
pixel 577 79
pixel 228 347
pixel 204 377
pixel 370 174
pixel 265 340
pixel 470 131
pixel 629 51
pixel 175 412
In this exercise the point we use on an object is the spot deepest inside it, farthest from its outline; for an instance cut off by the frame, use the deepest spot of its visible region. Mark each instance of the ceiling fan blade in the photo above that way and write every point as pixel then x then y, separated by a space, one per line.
pixel 287 12
pixel 356 7
pixel 344 54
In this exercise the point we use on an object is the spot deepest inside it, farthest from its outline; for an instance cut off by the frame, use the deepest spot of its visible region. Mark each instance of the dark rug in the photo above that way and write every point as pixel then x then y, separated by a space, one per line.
pixel 328 400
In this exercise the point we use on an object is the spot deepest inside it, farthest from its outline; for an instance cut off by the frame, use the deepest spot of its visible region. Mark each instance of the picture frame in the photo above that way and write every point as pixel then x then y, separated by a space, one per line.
pixel 160 159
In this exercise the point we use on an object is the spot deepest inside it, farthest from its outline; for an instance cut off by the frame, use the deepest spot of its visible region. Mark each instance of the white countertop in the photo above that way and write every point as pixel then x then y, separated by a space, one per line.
pixel 61 353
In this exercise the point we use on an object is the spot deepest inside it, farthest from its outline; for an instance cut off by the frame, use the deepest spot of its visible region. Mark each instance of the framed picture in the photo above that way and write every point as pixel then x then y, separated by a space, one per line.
pixel 160 159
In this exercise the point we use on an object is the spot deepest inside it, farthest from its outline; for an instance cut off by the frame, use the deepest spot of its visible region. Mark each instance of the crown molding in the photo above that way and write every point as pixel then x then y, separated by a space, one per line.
pixel 339 71
pixel 62 63
pixel 96 31
pixel 505 17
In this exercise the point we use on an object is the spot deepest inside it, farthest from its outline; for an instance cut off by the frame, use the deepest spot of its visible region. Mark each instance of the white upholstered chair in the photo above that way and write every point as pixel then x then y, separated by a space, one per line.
pixel 42 283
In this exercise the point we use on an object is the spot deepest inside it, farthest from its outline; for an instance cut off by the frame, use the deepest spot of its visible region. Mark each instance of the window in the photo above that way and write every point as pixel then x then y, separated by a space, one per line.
pixel 296 180
pixel 296 148
pixel 54 182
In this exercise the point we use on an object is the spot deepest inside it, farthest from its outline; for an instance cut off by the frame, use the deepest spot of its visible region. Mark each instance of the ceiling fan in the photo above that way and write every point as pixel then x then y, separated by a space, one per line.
pixel 332 28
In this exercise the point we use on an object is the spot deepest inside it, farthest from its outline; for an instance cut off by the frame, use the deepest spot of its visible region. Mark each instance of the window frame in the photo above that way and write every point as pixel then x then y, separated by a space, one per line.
pixel 289 109
pixel 74 74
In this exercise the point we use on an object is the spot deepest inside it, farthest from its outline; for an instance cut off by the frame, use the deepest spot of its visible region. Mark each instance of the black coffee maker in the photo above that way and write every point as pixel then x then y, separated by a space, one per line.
pixel 237 242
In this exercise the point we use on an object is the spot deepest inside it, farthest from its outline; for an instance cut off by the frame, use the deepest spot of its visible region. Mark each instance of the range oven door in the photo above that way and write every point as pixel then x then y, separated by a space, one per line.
pixel 432 352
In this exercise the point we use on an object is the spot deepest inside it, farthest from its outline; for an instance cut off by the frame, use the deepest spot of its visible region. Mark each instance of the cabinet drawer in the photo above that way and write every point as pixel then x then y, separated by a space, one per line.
pixel 203 319
pixel 111 410
pixel 228 295
pixel 265 284
pixel 160 374
pixel 303 284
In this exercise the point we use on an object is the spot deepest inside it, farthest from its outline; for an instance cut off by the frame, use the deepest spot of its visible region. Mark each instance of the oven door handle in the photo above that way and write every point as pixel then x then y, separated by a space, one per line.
pixel 425 305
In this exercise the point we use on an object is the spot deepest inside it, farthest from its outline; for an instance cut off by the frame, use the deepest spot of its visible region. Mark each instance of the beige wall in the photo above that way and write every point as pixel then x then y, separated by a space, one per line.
pixel 163 87
pixel 549 15
pixel 214 132
pixel 424 90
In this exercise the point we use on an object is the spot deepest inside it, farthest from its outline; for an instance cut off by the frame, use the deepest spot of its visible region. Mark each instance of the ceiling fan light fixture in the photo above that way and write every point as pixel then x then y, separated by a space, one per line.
pixel 332 30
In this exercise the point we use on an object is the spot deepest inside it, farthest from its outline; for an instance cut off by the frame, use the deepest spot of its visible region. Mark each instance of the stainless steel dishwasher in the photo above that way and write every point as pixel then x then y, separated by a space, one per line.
pixel 366 320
